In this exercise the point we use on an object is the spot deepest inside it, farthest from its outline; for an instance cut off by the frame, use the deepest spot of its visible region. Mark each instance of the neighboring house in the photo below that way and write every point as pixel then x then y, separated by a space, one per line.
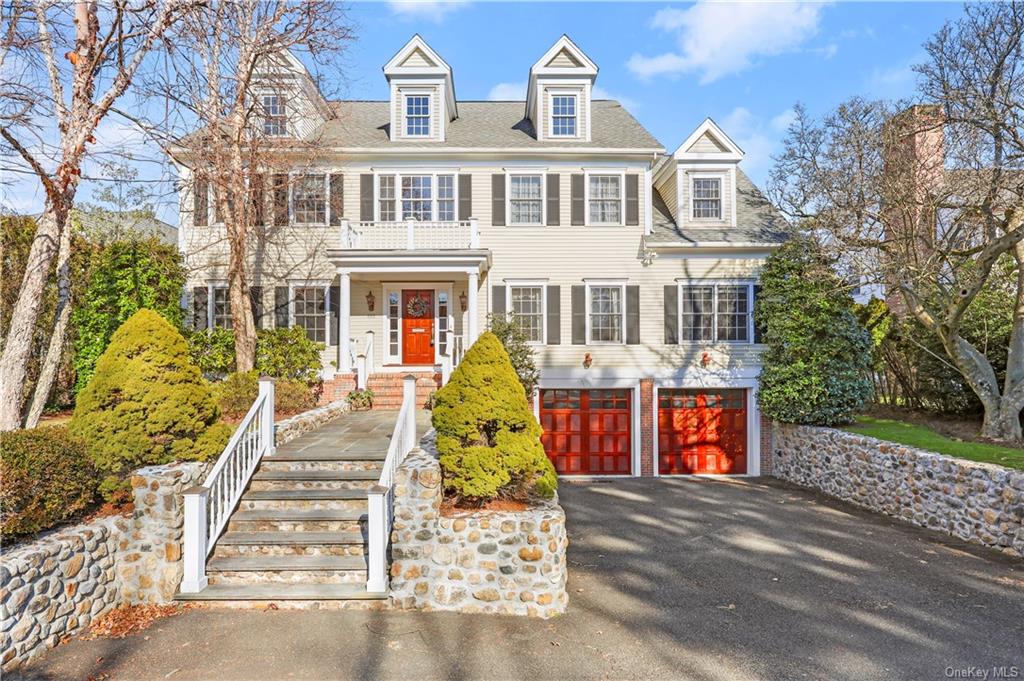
pixel 634 271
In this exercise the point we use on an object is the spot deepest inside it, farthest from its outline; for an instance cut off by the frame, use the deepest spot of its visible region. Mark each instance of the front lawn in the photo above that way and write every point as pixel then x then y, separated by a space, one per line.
pixel 924 438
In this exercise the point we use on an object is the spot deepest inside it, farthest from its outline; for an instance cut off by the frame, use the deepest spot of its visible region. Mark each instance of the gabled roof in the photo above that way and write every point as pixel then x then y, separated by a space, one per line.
pixel 417 58
pixel 726 149
pixel 563 59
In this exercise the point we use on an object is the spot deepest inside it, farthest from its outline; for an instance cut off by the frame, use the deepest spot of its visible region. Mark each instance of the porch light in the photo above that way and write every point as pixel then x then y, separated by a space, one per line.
pixel 370 300
pixel 588 360
pixel 463 301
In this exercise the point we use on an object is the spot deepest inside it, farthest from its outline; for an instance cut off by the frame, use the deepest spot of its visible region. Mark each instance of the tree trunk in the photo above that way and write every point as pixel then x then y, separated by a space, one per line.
pixel 1002 423
pixel 48 372
pixel 18 349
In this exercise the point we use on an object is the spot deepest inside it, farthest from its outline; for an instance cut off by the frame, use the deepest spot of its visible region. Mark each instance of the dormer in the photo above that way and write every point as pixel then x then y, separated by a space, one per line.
pixel 288 101
pixel 422 93
pixel 698 182
pixel 559 92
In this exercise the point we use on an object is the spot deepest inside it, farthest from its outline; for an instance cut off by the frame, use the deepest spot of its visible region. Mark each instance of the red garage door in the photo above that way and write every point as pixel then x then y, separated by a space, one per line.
pixel 587 432
pixel 702 431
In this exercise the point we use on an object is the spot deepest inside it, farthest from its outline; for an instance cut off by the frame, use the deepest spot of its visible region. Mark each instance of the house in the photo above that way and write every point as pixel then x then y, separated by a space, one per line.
pixel 411 220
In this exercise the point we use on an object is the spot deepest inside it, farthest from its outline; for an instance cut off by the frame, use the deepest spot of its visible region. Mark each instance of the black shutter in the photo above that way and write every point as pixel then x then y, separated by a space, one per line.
pixel 256 298
pixel 554 193
pixel 281 307
pixel 200 201
pixel 758 328
pixel 366 197
pixel 577 201
pixel 258 198
pixel 632 199
pixel 337 198
pixel 498 199
pixel 200 307
pixel 579 315
pixel 671 314
pixel 333 307
pixel 554 303
pixel 465 197
pixel 632 315
pixel 498 306
pixel 280 200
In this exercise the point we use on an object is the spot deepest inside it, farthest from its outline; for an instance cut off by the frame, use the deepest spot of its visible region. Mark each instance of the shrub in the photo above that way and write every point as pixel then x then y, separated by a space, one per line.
pixel 360 399
pixel 519 350
pixel 817 363
pixel 288 353
pixel 213 351
pixel 487 436
pixel 236 393
pixel 146 404
pixel 46 478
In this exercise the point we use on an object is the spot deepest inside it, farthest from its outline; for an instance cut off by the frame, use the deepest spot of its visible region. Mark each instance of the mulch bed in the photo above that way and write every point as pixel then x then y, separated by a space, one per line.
pixel 450 510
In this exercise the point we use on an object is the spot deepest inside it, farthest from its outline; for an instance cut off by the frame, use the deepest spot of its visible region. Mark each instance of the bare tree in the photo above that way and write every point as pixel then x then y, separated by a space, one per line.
pixel 51 108
pixel 234 118
pixel 926 200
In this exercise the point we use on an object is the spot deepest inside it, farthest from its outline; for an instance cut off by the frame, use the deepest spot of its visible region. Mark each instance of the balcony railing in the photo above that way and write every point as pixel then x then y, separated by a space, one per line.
pixel 410 235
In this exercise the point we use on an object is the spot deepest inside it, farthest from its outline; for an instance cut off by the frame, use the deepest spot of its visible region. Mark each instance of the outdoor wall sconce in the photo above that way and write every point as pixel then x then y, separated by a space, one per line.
pixel 588 359
pixel 463 301
pixel 370 300
pixel 705 359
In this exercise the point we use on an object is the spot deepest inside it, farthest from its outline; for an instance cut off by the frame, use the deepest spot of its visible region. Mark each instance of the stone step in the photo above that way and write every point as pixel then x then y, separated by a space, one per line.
pixel 292 520
pixel 282 592
pixel 332 466
pixel 320 476
pixel 305 485
pixel 291 563
pixel 300 501
pixel 304 495
pixel 300 515
pixel 362 454
pixel 290 538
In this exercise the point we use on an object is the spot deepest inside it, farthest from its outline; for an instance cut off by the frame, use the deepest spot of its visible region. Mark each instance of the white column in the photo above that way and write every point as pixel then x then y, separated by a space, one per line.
pixel 344 322
pixel 194 580
pixel 472 328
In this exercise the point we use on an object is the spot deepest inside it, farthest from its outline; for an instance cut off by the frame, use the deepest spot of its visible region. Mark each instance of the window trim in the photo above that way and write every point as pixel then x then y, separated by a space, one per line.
pixel 410 172
pixel 406 94
pixel 293 178
pixel 714 284
pixel 543 197
pixel 605 283
pixel 617 172
pixel 265 116
pixel 212 284
pixel 721 195
pixel 542 284
pixel 575 94
pixel 311 283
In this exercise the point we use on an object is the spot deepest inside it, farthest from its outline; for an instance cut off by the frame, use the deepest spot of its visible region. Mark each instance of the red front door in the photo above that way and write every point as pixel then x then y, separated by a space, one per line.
pixel 587 432
pixel 702 431
pixel 417 326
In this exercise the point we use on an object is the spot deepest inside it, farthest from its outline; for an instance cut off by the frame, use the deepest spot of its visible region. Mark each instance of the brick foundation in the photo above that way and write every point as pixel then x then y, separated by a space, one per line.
pixel 647 416
pixel 386 387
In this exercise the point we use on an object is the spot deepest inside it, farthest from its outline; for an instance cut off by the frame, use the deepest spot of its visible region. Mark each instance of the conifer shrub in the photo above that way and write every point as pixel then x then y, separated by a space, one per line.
pixel 146 403
pixel 487 436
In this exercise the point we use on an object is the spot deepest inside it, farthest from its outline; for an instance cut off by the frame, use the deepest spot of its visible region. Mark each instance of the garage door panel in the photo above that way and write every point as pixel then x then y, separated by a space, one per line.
pixel 587 431
pixel 702 431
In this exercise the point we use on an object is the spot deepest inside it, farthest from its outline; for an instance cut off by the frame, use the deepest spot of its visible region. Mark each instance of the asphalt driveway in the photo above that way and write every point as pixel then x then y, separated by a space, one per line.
pixel 687 579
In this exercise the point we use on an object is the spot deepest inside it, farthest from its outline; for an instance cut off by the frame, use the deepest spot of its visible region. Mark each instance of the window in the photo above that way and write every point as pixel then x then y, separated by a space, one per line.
pixel 417 115
pixel 309 310
pixel 275 122
pixel 716 312
pixel 221 307
pixel 309 199
pixel 416 197
pixel 605 200
pixel 386 198
pixel 446 198
pixel 526 199
pixel 707 198
pixel 394 320
pixel 526 303
pixel 563 115
pixel 442 322
pixel 606 313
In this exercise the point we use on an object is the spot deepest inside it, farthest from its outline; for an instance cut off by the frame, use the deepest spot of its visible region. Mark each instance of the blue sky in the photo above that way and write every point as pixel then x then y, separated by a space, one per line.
pixel 743 64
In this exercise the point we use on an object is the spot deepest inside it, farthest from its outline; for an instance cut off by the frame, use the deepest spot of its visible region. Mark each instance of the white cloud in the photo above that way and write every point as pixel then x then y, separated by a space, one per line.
pixel 758 138
pixel 721 38
pixel 599 92
pixel 893 82
pixel 428 10
pixel 508 91
pixel 781 122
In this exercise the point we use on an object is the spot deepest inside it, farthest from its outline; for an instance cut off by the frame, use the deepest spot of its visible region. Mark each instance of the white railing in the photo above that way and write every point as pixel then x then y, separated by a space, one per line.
pixel 451 356
pixel 364 362
pixel 381 498
pixel 208 507
pixel 410 235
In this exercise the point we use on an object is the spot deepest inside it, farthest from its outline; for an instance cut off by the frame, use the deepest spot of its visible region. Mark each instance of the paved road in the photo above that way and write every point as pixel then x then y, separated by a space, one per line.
pixel 680 579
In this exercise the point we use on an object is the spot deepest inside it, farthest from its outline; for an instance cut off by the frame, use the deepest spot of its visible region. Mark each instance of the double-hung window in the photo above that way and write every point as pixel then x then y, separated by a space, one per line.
pixel 309 200
pixel 221 307
pixel 526 199
pixel 424 197
pixel 275 122
pixel 417 197
pixel 707 198
pixel 526 303
pixel 606 313
pixel 446 198
pixel 604 199
pixel 309 310
pixel 417 115
pixel 563 115
pixel 722 312
pixel 386 198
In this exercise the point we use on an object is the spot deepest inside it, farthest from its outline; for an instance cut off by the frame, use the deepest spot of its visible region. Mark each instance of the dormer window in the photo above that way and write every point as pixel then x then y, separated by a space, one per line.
pixel 563 115
pixel 275 122
pixel 417 115
pixel 707 198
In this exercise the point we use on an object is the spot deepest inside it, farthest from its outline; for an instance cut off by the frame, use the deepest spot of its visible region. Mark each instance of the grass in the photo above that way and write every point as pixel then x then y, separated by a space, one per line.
pixel 924 438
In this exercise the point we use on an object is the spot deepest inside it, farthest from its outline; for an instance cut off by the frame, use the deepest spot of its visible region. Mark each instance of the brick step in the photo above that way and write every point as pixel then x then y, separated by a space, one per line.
pixel 282 592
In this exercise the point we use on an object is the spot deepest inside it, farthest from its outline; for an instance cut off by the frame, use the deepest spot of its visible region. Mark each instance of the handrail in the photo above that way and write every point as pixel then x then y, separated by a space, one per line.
pixel 381 498
pixel 208 506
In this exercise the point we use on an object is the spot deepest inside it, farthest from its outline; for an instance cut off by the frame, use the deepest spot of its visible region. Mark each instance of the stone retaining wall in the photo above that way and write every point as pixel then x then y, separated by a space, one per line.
pixel 482 561
pixel 978 502
pixel 290 428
